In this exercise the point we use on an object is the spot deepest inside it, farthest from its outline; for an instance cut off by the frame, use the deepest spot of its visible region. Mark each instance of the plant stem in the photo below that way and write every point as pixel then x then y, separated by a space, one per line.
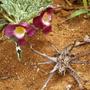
pixel 9 19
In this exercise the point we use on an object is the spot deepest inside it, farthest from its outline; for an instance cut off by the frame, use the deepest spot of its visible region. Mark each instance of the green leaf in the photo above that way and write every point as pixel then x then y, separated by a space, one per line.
pixel 23 9
pixel 78 13
pixel 1 26
pixel 2 23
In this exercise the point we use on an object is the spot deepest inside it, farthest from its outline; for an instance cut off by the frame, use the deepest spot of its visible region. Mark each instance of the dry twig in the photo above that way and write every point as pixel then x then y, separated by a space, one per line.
pixel 63 61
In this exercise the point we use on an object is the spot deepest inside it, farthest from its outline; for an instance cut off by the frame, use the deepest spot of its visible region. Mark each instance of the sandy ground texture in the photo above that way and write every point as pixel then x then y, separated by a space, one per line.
pixel 25 75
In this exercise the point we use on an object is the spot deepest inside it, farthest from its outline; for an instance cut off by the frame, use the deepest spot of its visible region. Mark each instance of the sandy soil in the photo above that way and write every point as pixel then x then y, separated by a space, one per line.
pixel 25 75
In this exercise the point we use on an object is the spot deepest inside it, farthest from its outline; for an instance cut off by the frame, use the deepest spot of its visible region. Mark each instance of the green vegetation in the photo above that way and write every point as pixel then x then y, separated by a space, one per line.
pixel 22 10
pixel 85 10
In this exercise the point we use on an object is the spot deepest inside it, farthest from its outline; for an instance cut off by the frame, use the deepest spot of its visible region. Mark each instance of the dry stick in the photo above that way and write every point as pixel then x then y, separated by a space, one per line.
pixel 58 8
pixel 52 72
pixel 78 43
pixel 69 48
pixel 45 85
pixel 55 48
pixel 85 41
pixel 44 55
pixel 75 75
pixel 59 65
pixel 48 62
pixel 68 2
pixel 66 50
pixel 81 43
pixel 6 77
pixel 56 66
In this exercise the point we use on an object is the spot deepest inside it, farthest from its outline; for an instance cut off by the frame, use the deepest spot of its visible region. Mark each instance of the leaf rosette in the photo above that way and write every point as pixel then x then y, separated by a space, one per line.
pixel 22 10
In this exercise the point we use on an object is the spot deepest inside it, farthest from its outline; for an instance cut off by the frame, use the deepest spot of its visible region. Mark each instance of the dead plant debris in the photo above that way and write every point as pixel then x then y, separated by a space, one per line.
pixel 64 59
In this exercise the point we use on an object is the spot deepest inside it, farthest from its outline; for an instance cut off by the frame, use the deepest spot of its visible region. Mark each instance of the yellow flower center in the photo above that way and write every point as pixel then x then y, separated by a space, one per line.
pixel 19 32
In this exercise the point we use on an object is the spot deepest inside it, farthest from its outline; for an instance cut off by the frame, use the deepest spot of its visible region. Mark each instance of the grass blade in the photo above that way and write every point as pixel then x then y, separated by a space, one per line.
pixel 78 13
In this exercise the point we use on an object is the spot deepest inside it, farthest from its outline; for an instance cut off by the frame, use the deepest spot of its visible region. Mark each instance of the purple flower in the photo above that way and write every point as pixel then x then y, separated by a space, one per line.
pixel 18 31
pixel 43 21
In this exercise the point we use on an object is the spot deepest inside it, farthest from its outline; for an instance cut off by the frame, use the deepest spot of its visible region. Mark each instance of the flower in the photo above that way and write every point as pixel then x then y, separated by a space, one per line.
pixel 43 21
pixel 18 31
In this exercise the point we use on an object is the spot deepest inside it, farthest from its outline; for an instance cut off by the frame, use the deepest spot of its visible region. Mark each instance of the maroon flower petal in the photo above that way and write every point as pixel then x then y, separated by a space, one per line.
pixel 22 42
pixel 31 30
pixel 37 21
pixel 8 30
pixel 49 10
pixel 47 29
